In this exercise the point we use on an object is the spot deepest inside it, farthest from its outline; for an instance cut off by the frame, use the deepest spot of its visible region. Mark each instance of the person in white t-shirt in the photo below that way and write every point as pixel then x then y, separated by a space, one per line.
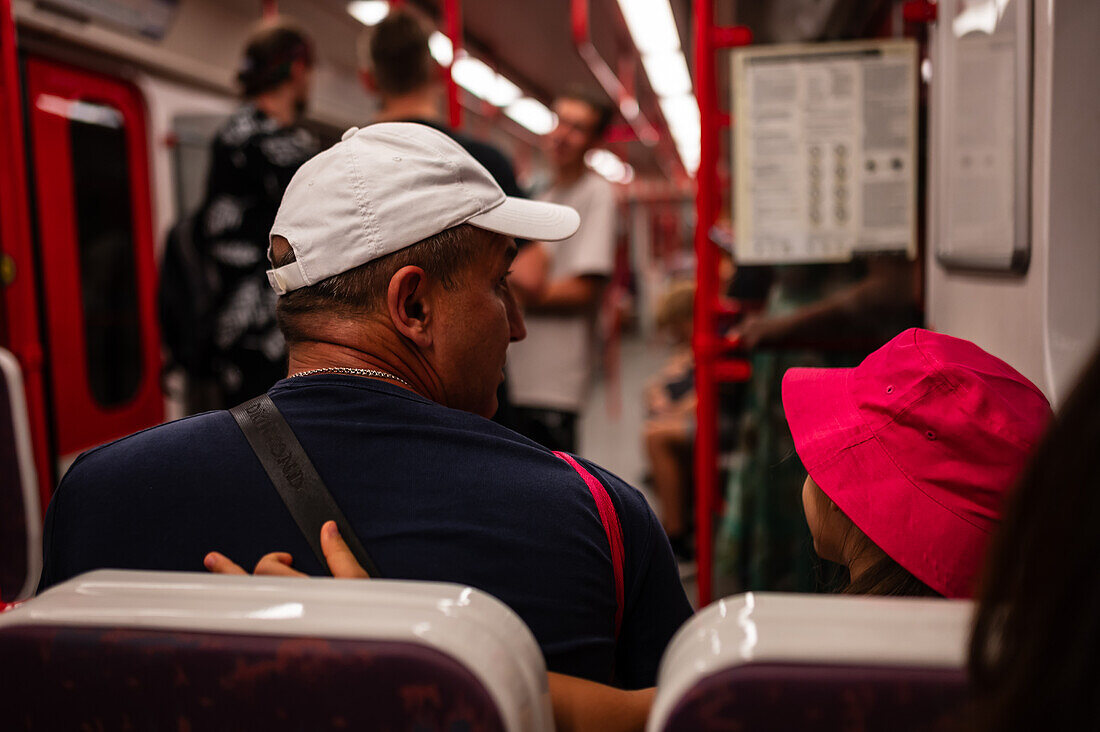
pixel 548 373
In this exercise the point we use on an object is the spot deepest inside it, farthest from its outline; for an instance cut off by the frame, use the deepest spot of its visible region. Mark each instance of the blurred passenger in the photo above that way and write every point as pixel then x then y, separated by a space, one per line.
pixel 549 373
pixel 670 416
pixel 819 315
pixel 391 252
pixel 395 61
pixel 910 457
pixel 1035 652
pixel 254 156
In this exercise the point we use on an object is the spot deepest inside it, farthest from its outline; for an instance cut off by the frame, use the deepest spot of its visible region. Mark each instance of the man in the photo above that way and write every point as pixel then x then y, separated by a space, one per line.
pixel 254 156
pixel 548 374
pixel 391 252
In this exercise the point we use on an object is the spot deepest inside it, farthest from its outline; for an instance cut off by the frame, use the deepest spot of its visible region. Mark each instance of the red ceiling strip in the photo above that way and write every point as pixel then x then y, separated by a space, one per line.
pixel 452 22
pixel 605 75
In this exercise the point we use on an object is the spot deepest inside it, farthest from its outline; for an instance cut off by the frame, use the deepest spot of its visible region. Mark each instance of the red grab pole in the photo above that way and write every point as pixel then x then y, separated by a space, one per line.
pixel 20 297
pixel 706 294
pixel 707 344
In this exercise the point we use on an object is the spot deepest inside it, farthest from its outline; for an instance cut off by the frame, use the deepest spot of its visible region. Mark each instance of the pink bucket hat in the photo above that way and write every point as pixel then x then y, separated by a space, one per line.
pixel 918 446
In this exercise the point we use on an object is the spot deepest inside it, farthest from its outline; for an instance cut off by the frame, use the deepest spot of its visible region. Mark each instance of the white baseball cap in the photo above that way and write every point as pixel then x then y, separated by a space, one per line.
pixel 390 185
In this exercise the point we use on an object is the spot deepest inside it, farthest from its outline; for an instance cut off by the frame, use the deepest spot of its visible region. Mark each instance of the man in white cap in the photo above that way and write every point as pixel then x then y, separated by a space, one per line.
pixel 390 255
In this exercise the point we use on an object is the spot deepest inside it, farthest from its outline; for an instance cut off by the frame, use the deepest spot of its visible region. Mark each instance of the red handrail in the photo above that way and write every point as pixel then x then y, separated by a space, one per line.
pixel 707 344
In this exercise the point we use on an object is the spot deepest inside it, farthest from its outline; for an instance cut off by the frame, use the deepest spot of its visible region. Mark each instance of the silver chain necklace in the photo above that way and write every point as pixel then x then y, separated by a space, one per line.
pixel 353 372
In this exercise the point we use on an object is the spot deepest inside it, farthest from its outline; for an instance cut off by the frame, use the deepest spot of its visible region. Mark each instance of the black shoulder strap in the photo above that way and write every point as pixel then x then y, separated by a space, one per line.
pixel 294 476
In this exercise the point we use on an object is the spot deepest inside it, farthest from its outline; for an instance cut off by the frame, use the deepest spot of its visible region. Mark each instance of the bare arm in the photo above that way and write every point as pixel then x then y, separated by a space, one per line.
pixel 570 295
pixel 889 284
pixel 529 273
pixel 581 705
pixel 577 704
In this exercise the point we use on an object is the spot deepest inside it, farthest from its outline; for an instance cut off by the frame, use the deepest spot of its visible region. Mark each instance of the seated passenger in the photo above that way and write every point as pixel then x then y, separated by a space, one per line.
pixel 916 449
pixel 910 456
pixel 670 416
pixel 390 252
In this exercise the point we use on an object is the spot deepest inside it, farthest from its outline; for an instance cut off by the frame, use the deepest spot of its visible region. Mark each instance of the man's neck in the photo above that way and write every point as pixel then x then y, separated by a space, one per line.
pixel 383 351
pixel 278 104
pixel 567 175
pixel 417 105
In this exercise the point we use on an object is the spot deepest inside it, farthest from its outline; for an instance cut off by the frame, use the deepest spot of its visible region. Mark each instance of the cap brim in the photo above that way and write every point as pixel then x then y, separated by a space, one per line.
pixel 537 220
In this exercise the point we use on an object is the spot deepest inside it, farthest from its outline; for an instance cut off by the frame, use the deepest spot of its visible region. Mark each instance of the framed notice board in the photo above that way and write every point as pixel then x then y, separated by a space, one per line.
pixel 824 145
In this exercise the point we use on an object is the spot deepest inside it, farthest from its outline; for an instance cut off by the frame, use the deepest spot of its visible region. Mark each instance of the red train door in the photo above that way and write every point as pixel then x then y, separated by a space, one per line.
pixel 97 267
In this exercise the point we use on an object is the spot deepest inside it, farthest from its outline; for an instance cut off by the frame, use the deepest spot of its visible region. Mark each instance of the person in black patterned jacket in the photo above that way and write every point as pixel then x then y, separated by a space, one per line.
pixel 253 157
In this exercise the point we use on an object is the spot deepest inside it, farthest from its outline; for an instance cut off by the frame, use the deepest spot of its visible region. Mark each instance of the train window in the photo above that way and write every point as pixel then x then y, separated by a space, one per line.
pixel 104 220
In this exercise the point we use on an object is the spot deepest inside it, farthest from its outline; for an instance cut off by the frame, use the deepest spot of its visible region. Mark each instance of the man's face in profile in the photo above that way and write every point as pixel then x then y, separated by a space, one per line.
pixel 477 319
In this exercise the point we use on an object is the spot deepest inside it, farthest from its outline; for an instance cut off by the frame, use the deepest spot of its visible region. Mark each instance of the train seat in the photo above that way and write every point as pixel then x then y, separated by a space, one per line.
pixel 161 650
pixel 811 662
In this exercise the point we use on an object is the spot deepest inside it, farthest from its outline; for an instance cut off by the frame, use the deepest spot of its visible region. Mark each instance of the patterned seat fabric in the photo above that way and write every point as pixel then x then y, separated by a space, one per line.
pixel 104 678
pixel 799 697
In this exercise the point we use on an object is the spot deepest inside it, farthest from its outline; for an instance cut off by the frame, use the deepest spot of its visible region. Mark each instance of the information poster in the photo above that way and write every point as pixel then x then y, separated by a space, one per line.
pixel 824 142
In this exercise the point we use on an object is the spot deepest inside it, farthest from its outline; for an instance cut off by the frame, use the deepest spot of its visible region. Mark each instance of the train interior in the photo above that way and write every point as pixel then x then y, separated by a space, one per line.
pixel 107 116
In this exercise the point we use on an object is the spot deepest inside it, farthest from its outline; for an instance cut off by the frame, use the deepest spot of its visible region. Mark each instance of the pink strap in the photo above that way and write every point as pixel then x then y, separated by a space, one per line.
pixel 611 527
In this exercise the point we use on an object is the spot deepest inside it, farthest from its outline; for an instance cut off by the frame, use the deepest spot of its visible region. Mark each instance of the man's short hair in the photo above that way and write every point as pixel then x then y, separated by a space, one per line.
pixel 396 52
pixel 444 256
pixel 269 53
pixel 597 101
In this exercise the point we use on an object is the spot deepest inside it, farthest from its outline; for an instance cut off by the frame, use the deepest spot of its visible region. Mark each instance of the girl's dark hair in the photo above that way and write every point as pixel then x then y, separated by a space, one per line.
pixel 1035 650
pixel 269 53
pixel 884 577
pixel 887 577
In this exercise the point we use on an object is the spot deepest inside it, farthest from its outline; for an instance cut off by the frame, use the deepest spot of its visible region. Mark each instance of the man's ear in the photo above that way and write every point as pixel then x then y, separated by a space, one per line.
pixel 366 78
pixel 298 69
pixel 408 305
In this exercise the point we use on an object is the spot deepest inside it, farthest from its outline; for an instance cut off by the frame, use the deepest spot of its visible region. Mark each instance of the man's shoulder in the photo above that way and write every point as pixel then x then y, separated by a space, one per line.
pixel 587 192
pixel 245 123
pixel 162 447
pixel 595 189
pixel 490 156
pixel 631 498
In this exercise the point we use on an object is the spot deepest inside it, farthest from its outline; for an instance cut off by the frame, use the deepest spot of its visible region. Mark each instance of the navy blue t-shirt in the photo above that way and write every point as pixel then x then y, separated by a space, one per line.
pixel 433 493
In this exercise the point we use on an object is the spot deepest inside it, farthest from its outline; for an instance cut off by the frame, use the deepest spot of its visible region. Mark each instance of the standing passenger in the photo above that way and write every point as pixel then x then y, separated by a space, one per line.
pixel 396 62
pixel 549 372
pixel 254 156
